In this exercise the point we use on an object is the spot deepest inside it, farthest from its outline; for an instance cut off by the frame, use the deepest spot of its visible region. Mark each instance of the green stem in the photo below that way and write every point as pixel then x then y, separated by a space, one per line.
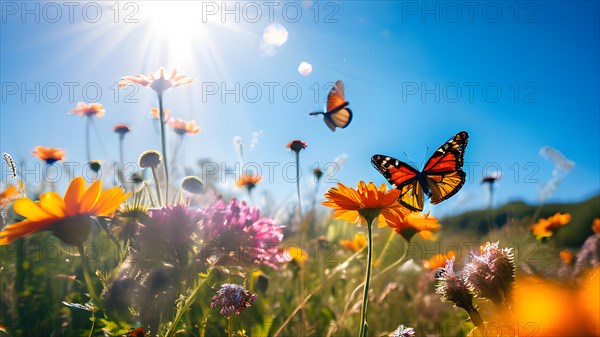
pixel 164 145
pixel 365 301
pixel 298 182
pixel 229 327
pixel 157 185
pixel 93 324
pixel 202 285
pixel 86 271
pixel 87 138
pixel 385 248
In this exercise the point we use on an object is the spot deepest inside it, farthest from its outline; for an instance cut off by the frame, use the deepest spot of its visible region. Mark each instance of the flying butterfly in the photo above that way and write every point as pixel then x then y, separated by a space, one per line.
pixel 441 178
pixel 337 114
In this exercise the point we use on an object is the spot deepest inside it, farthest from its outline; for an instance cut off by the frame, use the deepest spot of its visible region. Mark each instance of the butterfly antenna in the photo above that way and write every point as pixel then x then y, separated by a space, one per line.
pixel 424 158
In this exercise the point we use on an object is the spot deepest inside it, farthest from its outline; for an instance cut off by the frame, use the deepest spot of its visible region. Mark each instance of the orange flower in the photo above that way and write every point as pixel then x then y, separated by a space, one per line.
pixel 596 226
pixel 155 113
pixel 69 217
pixel 182 127
pixel 91 110
pixel 49 154
pixel 438 260
pixel 414 223
pixel 566 256
pixel 297 145
pixel 7 195
pixel 249 181
pixel 157 81
pixel 357 243
pixel 545 228
pixel 121 129
pixel 365 202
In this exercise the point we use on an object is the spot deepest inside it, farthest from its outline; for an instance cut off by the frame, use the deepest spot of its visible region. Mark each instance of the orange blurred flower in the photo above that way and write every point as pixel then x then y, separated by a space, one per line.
pixel 7 195
pixel 68 218
pixel 553 309
pixel 596 226
pixel 249 181
pixel 438 260
pixel 49 154
pixel 414 223
pixel 182 127
pixel 155 113
pixel 357 243
pixel 545 228
pixel 566 256
pixel 157 81
pixel 121 129
pixel 365 202
pixel 91 110
pixel 296 145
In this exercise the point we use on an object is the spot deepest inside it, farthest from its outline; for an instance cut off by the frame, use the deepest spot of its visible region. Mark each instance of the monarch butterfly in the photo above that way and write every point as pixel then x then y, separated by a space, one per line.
pixel 337 115
pixel 441 178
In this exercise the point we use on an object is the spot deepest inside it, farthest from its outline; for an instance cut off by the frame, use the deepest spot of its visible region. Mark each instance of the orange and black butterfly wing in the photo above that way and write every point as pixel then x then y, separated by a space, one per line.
pixel 337 115
pixel 443 171
pixel 404 177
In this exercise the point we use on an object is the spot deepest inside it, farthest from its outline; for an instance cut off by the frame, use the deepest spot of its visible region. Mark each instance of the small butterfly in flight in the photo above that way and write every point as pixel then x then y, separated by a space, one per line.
pixel 441 178
pixel 337 114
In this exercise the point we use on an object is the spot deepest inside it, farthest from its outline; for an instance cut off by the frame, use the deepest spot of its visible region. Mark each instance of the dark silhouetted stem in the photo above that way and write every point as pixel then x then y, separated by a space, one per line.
pixel 164 146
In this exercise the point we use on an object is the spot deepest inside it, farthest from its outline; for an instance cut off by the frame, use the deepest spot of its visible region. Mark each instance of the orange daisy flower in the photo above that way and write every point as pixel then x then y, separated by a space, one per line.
pixel 68 218
pixel 365 202
pixel 49 154
pixel 438 260
pixel 155 113
pixel 414 223
pixel 596 226
pixel 182 127
pixel 91 110
pixel 295 253
pixel 357 243
pixel 249 181
pixel 297 145
pixel 545 228
pixel 7 195
pixel 157 81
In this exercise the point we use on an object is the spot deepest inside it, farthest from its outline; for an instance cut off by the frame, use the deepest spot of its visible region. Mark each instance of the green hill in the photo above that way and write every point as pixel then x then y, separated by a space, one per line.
pixel 573 234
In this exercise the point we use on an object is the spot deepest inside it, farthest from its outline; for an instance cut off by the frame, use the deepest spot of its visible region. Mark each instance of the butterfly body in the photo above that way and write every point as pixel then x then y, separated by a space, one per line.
pixel 441 178
pixel 337 114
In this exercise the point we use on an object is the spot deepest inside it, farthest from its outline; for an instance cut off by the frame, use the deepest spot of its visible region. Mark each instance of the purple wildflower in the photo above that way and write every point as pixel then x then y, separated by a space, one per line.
pixel 232 299
pixel 453 288
pixel 174 224
pixel 491 275
pixel 237 232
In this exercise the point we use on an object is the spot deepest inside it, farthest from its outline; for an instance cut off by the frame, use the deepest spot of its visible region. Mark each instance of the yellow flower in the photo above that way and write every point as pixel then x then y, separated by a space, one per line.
pixel 357 243
pixel 414 223
pixel 91 110
pixel 69 217
pixel 545 228
pixel 296 253
pixel 367 201
pixel 49 154
pixel 157 81
pixel 596 226
pixel 7 195
pixel 438 260
pixel 182 127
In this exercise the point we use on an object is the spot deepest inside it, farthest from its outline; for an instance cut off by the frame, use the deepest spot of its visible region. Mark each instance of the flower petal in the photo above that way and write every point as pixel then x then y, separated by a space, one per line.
pixel 90 197
pixel 53 203
pixel 30 210
pixel 73 195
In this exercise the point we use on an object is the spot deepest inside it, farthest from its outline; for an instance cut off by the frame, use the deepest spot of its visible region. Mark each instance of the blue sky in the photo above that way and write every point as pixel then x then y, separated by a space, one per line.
pixel 517 78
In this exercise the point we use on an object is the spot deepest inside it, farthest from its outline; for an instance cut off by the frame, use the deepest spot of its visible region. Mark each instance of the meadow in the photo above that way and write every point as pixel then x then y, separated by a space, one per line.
pixel 166 254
